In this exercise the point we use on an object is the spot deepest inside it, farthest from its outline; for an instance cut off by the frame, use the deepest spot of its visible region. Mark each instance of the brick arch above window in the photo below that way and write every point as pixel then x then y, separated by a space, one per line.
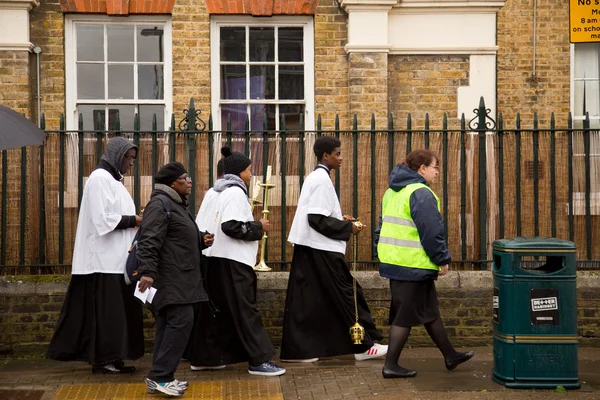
pixel 262 8
pixel 117 7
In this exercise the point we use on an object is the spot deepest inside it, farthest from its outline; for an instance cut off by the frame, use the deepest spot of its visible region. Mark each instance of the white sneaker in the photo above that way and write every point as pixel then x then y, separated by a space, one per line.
pixel 203 368
pixel 306 360
pixel 183 385
pixel 377 350
pixel 168 388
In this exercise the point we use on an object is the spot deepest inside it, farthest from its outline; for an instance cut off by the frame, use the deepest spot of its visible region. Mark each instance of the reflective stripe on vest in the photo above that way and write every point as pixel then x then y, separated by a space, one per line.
pixel 399 241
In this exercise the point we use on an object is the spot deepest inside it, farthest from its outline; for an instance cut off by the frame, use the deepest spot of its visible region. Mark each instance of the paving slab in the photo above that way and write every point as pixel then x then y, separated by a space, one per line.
pixel 333 378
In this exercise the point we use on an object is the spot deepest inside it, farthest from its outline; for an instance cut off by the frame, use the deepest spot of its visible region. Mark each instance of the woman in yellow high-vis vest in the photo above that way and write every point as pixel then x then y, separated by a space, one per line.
pixel 413 253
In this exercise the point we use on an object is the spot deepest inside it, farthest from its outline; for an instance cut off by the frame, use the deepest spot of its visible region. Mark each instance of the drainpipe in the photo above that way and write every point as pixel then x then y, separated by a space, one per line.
pixel 37 50
pixel 534 36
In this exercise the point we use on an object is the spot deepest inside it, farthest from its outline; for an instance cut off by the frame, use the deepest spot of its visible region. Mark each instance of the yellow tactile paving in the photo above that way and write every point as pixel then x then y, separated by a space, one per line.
pixel 263 389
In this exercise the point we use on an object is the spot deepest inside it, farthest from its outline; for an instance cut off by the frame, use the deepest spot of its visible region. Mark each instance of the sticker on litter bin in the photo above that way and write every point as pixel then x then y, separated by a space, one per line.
pixel 496 311
pixel 544 306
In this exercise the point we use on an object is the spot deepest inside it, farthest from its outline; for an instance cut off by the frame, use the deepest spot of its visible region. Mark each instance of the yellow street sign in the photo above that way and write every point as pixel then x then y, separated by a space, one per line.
pixel 584 23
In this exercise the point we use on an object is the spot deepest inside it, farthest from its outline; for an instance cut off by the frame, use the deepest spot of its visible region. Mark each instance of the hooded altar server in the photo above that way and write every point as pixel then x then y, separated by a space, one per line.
pixel 100 321
pixel 319 306
pixel 237 333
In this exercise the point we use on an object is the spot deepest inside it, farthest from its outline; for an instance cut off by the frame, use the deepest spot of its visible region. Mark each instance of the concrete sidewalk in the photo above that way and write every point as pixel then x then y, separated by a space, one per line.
pixel 332 378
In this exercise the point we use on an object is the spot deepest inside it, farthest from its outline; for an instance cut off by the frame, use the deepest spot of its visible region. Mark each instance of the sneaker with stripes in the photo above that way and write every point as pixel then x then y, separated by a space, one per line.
pixel 169 388
pixel 377 350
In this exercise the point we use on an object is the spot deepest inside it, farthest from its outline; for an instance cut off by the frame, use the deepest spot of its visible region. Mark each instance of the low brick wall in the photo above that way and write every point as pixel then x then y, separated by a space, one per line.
pixel 30 306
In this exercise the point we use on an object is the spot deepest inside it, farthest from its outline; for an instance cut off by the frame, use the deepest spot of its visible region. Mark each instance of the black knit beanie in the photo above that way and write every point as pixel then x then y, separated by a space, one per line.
pixel 234 162
pixel 169 173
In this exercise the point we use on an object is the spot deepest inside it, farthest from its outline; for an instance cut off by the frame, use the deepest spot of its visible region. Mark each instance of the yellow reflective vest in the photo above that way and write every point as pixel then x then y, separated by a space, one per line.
pixel 399 241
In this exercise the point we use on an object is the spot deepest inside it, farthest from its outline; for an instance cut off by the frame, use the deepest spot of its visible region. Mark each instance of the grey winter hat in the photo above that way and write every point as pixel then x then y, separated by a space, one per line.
pixel 115 151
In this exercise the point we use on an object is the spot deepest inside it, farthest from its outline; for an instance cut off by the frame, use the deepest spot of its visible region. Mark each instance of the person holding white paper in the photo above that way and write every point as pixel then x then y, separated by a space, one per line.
pixel 169 249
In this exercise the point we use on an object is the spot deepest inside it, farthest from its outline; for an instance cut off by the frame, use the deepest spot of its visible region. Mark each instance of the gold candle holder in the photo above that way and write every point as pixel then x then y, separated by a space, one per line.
pixel 262 265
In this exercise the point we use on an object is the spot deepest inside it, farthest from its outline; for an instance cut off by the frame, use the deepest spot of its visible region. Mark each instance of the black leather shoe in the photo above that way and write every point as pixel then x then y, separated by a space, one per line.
pixel 459 359
pixel 112 369
pixel 403 373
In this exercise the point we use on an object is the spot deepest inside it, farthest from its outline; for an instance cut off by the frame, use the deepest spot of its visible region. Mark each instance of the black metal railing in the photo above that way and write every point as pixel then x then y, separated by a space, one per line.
pixel 495 182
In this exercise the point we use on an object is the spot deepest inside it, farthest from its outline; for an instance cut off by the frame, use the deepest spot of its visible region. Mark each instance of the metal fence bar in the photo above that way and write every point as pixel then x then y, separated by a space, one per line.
pixel 536 175
pixel 501 175
pixel 373 180
pixel 445 173
pixel 61 191
pixel 482 183
pixel 283 188
pixel 570 179
pixel 553 173
pixel 42 204
pixel 391 137
pixel 588 185
pixel 463 187
pixel 337 171
pixel 80 164
pixel 211 149
pixel 301 167
pixel 136 164
pixel 518 173
pixel 23 204
pixel 354 167
pixel 4 215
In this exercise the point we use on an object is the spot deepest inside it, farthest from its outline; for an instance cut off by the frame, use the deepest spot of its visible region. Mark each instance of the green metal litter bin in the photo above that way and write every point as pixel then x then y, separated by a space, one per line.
pixel 535 313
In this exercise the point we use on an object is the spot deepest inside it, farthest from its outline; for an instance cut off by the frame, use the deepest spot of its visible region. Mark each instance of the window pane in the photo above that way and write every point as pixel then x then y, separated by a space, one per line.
pixel 586 60
pixel 589 102
pixel 90 42
pixel 238 116
pixel 89 112
pixel 259 113
pixel 292 115
pixel 151 82
pixel 90 81
pixel 124 113
pixel 233 43
pixel 262 44
pixel 147 114
pixel 290 44
pixel 120 81
pixel 150 44
pixel 262 82
pixel 291 82
pixel 120 42
pixel 233 82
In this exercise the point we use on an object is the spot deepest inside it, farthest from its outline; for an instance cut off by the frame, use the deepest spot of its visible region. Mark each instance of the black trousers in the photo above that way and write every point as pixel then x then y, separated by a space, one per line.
pixel 174 325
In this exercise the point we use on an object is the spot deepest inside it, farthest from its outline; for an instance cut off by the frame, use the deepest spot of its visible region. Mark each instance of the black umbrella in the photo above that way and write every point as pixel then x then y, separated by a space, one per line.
pixel 17 131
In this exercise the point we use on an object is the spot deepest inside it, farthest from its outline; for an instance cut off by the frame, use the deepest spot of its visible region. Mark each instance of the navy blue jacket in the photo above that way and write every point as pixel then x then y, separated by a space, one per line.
pixel 427 218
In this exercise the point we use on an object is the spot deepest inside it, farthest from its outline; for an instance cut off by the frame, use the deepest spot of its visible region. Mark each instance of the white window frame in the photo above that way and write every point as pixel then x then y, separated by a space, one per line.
pixel 283 21
pixel 71 70
pixel 579 197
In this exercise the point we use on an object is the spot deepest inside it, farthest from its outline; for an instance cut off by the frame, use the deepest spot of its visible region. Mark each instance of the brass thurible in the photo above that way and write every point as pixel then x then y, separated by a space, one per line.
pixel 262 265
pixel 357 332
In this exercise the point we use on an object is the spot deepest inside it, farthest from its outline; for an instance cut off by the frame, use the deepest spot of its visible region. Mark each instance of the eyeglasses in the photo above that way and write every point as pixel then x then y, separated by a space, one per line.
pixel 185 178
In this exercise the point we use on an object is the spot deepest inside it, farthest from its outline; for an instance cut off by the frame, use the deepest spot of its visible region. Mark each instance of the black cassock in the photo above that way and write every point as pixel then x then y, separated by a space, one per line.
pixel 319 306
pixel 100 322
pixel 235 333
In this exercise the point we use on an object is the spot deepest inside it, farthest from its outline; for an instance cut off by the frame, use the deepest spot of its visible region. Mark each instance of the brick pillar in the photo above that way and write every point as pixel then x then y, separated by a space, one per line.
pixel 15 91
pixel 368 88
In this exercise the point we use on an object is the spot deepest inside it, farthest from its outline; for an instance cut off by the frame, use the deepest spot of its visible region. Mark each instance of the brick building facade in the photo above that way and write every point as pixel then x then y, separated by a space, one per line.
pixel 107 60
pixel 383 56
